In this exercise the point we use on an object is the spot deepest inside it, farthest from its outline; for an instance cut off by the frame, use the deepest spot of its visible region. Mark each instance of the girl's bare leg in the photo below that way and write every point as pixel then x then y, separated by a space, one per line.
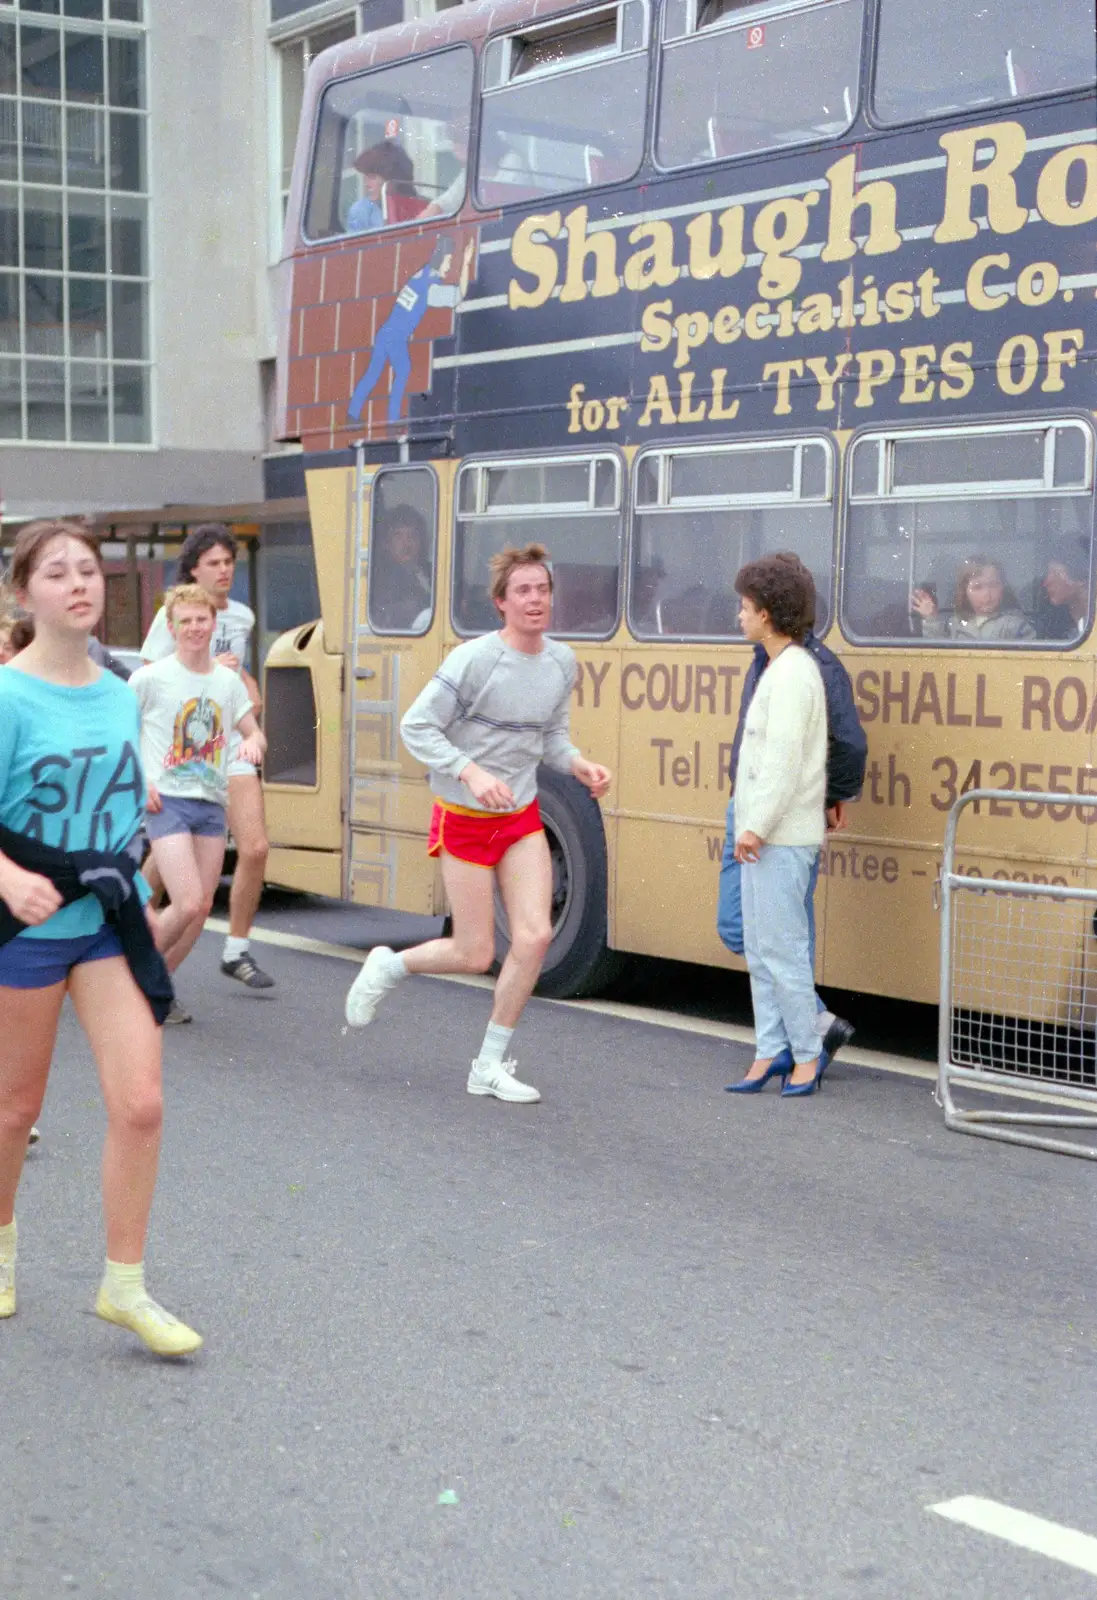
pixel 28 1027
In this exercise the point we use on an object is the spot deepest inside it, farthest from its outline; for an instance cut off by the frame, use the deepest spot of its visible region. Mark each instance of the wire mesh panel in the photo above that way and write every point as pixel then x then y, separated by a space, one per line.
pixel 1018 997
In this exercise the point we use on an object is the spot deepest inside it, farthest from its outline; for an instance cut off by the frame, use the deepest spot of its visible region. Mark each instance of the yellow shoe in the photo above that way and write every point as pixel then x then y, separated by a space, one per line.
pixel 164 1334
pixel 7 1288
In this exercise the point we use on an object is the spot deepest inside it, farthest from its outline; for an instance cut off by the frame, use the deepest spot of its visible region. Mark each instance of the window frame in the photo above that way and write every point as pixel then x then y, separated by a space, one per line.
pixel 389 471
pixel 764 11
pixel 980 110
pixel 483 513
pixel 760 501
pixel 1001 489
pixel 449 48
pixel 565 21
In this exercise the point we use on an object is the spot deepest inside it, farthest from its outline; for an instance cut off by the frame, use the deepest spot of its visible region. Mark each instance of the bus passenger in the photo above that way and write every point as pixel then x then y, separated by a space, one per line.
pixel 780 825
pixel 1065 591
pixel 449 201
pixel 847 752
pixel 400 576
pixel 72 921
pixel 388 178
pixel 985 609
pixel 503 700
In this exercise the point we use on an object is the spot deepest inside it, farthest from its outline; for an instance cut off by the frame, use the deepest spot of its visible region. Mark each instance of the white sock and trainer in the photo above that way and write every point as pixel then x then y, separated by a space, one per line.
pixel 381 971
pixel 124 1301
pixel 7 1270
pixel 492 1075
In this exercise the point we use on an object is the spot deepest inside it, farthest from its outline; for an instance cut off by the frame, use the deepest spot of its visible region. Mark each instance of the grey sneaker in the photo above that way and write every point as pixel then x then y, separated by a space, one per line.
pixel 497 1078
pixel 177 1016
pixel 33 1137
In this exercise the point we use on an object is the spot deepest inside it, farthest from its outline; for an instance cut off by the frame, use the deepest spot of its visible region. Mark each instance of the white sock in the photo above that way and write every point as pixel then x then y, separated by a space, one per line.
pixel 234 949
pixel 823 1020
pixel 7 1242
pixel 392 969
pixel 124 1284
pixel 494 1047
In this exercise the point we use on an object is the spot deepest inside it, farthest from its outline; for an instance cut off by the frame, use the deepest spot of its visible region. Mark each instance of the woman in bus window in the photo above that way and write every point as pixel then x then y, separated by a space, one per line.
pixel 388 178
pixel 985 608
pixel 1065 594
pixel 71 782
pixel 400 582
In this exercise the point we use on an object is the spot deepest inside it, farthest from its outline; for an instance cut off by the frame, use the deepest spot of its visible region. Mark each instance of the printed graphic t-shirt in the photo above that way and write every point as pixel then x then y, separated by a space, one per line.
pixel 70 776
pixel 187 722
pixel 231 634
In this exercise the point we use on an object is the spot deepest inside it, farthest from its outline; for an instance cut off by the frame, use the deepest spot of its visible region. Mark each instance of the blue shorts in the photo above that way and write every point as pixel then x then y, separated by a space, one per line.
pixel 202 819
pixel 40 963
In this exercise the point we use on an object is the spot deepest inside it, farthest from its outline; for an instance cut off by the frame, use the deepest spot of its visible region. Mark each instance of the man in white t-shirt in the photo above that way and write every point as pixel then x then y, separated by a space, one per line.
pixel 192 709
pixel 208 557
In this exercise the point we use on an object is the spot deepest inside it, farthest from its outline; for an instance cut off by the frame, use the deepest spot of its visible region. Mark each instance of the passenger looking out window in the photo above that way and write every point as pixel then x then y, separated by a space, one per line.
pixel 388 179
pixel 984 607
pixel 450 199
pixel 1066 595
pixel 401 579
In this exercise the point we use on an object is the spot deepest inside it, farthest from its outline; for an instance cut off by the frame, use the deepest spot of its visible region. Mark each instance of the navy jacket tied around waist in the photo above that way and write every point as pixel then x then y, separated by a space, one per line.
pixel 110 878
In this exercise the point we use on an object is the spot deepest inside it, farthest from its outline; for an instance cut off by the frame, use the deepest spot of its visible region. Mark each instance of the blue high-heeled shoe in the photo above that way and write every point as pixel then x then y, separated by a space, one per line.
pixel 779 1067
pixel 791 1090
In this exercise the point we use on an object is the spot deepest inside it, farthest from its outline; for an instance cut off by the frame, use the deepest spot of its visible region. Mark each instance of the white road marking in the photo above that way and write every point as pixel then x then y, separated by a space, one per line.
pixel 1021 1528
pixel 729 1032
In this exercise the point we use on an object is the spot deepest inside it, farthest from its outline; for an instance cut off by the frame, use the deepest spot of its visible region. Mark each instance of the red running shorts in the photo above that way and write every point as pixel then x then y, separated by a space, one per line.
pixel 481 838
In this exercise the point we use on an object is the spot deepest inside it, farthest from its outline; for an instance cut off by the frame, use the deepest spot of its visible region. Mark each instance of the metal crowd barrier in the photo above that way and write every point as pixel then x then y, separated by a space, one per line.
pixel 1018 994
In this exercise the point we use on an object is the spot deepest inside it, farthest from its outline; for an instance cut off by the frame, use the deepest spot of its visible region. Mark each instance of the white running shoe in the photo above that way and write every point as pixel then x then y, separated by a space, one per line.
pixel 368 989
pixel 497 1078
pixel 33 1137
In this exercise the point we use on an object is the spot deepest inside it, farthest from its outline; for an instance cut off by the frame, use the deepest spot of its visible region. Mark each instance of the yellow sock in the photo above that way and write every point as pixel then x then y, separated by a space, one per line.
pixel 7 1242
pixel 124 1284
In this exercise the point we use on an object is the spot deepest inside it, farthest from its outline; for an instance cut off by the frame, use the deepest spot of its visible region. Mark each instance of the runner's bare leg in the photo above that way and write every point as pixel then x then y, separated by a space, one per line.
pixel 249 833
pixel 470 891
pixel 525 882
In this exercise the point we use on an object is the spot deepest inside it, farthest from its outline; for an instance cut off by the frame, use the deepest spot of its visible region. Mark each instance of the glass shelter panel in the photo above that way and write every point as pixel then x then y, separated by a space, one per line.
pixel 987 563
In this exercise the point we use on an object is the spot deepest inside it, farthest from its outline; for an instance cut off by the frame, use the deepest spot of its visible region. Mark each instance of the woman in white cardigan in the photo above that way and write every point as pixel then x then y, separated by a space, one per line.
pixel 780 823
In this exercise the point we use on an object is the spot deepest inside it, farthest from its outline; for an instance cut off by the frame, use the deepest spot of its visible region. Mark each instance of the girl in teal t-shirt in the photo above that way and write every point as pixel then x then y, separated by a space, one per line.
pixel 70 777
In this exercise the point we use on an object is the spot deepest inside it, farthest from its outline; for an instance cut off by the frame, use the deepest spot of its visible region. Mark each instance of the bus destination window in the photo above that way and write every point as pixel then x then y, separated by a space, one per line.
pixel 392 146
pixel 944 56
pixel 701 513
pixel 570 504
pixel 738 78
pixel 402 551
pixel 563 105
pixel 970 536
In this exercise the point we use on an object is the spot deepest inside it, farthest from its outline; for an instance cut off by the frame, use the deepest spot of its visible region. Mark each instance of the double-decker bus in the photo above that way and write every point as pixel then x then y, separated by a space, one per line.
pixel 665 285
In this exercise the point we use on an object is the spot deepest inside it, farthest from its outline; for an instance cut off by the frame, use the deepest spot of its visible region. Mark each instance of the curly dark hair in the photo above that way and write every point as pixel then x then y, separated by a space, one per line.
pixel 784 589
pixel 206 536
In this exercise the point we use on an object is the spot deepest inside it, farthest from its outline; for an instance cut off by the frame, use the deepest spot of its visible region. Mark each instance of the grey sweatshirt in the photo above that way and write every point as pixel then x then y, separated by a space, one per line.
pixel 496 706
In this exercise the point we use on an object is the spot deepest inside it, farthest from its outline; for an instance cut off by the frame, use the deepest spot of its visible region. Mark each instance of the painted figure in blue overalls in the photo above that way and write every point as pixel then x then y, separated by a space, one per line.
pixel 424 289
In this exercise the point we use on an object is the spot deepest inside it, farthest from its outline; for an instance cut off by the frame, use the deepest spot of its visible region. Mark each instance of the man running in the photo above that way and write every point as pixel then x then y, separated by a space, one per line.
pixel 208 557
pixel 497 707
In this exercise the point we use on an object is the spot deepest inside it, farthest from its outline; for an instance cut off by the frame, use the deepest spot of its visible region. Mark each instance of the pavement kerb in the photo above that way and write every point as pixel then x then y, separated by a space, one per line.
pixel 729 1032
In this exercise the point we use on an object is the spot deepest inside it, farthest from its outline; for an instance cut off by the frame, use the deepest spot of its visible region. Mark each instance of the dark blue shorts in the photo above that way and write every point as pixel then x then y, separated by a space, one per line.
pixel 40 963
pixel 202 819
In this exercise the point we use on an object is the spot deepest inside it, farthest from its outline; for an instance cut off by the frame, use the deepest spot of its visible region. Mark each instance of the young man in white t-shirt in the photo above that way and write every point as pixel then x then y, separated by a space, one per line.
pixel 191 709
pixel 208 557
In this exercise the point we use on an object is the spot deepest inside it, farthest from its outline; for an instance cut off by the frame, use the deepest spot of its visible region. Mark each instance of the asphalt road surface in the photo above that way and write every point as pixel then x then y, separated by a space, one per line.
pixel 642 1339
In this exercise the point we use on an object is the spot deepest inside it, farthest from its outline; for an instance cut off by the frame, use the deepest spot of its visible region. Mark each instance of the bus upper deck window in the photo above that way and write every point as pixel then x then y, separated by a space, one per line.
pixel 948 55
pixel 738 78
pixel 540 135
pixel 572 506
pixel 392 146
pixel 970 536
pixel 702 513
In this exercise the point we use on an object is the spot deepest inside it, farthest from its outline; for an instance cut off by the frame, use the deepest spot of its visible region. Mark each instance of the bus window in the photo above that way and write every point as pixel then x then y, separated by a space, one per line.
pixel 391 146
pixel 948 55
pixel 563 105
pixel 400 587
pixel 571 505
pixel 701 514
pixel 738 78
pixel 973 536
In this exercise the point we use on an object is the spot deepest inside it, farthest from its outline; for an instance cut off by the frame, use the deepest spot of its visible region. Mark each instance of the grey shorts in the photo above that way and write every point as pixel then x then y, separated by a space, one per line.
pixel 203 819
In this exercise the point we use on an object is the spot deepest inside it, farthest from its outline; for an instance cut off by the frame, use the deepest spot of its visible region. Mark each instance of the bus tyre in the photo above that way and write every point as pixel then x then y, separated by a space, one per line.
pixel 578 960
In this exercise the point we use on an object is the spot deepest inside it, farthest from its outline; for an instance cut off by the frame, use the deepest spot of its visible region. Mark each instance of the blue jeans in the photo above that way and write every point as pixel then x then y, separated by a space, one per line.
pixel 390 349
pixel 777 935
pixel 729 904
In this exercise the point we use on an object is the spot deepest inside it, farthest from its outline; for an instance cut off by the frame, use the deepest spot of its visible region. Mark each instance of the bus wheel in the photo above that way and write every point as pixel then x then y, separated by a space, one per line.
pixel 578 961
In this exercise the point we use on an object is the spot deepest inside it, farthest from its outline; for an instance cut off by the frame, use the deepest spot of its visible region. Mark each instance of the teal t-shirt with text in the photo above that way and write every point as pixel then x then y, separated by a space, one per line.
pixel 70 775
